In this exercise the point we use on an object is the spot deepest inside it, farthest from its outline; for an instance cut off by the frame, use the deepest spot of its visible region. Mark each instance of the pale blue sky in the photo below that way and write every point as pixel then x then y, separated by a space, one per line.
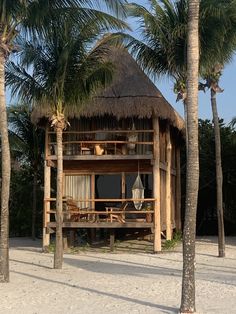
pixel 226 100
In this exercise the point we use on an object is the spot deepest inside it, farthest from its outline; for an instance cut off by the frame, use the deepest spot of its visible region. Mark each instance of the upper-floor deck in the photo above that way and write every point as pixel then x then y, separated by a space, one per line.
pixel 103 140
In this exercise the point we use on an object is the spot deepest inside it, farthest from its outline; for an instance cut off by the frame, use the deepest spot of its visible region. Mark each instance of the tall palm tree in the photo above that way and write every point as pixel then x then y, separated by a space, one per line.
pixel 27 143
pixel 65 72
pixel 162 51
pixel 192 177
pixel 225 49
pixel 33 18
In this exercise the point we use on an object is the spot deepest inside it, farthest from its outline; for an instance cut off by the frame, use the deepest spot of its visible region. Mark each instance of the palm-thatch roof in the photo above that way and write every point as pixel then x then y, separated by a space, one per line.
pixel 131 94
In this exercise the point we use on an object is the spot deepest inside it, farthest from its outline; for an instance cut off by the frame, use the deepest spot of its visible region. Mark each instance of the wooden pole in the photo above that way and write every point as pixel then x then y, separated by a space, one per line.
pixel 156 186
pixel 47 194
pixel 168 185
pixel 178 191
pixel 93 230
pixel 123 185
pixel 112 239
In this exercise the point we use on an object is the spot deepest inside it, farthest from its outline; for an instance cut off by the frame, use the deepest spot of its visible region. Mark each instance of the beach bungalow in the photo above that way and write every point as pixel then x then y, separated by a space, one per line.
pixel 121 159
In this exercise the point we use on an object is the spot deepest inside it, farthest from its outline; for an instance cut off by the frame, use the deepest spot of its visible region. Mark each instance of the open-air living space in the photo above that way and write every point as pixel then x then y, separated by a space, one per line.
pixel 121 160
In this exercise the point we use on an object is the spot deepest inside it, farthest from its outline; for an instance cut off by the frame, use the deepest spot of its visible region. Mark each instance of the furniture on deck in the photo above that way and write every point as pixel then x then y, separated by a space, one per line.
pixel 117 213
pixel 75 213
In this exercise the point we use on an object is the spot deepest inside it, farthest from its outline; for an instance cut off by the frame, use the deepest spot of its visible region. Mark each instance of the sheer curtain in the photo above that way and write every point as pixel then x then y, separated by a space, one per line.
pixel 78 187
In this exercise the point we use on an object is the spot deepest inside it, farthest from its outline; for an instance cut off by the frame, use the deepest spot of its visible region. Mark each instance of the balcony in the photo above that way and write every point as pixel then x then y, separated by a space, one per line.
pixel 102 145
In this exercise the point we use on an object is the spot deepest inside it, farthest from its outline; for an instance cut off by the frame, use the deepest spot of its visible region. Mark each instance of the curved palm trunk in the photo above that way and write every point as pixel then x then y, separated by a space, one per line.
pixel 34 209
pixel 192 180
pixel 5 184
pixel 219 177
pixel 58 255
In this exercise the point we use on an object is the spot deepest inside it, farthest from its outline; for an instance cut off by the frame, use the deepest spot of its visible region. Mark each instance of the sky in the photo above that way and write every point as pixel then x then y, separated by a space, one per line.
pixel 226 101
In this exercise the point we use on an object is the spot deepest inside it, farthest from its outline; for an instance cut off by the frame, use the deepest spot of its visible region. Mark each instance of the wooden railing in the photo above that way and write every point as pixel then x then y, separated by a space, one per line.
pixel 102 142
pixel 90 214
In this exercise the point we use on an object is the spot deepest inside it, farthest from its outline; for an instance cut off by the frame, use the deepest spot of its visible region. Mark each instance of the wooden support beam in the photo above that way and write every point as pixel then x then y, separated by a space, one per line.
pixel 156 186
pixel 92 232
pixel 123 185
pixel 168 185
pixel 47 194
pixel 112 239
pixel 178 191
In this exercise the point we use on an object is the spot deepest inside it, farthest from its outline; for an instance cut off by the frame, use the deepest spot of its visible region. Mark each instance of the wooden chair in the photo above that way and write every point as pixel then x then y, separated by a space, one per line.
pixel 74 214
pixel 120 217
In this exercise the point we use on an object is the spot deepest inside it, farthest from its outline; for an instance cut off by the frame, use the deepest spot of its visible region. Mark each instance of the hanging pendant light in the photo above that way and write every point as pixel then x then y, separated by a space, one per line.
pixel 138 192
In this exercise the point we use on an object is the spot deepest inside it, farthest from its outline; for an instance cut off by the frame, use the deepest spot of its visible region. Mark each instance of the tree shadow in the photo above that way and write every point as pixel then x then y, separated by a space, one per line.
pixel 163 308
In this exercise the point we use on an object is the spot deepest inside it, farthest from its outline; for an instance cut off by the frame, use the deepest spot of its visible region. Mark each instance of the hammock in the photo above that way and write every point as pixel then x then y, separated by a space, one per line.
pixel 138 193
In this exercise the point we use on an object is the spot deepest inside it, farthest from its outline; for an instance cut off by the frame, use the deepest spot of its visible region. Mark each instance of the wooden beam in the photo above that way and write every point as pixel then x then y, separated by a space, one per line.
pixel 127 224
pixel 112 239
pixel 103 157
pixel 178 191
pixel 123 185
pixel 156 186
pixel 168 185
pixel 47 195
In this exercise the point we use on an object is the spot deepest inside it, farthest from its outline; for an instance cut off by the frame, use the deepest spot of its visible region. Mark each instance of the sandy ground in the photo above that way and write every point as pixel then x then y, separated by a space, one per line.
pixel 97 282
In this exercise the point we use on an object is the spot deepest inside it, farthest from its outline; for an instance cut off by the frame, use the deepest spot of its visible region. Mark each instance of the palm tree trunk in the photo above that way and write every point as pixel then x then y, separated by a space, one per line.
pixel 34 209
pixel 58 255
pixel 5 184
pixel 219 177
pixel 192 180
pixel 186 127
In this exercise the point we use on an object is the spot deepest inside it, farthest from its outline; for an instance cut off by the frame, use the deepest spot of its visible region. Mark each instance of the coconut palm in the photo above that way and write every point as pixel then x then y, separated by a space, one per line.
pixel 27 144
pixel 33 18
pixel 224 52
pixel 65 72
pixel 162 51
pixel 192 177
pixel 233 122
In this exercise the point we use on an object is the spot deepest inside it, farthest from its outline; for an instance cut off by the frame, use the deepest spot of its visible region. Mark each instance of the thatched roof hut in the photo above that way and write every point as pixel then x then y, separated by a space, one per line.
pixel 131 94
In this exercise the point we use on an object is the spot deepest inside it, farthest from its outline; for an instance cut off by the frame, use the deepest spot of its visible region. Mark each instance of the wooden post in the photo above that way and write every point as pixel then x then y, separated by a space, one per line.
pixel 123 185
pixel 178 191
pixel 168 185
pixel 112 239
pixel 47 194
pixel 92 230
pixel 156 186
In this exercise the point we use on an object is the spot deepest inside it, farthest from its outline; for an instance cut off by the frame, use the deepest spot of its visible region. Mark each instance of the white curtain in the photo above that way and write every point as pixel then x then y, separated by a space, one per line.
pixel 78 187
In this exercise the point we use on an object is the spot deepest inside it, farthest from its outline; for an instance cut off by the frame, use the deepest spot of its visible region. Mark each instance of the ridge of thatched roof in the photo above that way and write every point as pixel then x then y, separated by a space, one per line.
pixel 130 94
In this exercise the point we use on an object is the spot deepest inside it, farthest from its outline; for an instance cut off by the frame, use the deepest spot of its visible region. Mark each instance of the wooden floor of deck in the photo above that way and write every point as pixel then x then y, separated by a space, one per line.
pixel 109 225
pixel 102 157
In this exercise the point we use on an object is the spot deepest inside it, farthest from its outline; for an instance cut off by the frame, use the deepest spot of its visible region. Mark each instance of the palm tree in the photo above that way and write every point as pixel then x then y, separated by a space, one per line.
pixel 162 51
pixel 233 122
pixel 27 143
pixel 33 18
pixel 224 51
pixel 63 58
pixel 192 177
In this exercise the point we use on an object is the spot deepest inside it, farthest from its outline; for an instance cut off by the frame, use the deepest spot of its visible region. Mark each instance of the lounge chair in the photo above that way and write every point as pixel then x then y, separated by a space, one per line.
pixel 120 217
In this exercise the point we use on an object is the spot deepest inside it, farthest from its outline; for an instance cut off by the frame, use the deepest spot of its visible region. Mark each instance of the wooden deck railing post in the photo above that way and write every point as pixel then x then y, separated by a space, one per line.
pixel 47 194
pixel 156 186
pixel 168 185
pixel 178 191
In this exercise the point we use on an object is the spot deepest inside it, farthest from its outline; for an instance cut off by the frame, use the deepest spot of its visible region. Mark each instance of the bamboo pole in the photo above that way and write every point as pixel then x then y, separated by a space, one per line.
pixel 178 191
pixel 168 185
pixel 156 186
pixel 47 194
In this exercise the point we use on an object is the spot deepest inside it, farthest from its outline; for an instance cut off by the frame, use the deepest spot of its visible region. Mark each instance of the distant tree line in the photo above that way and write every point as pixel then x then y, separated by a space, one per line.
pixel 207 213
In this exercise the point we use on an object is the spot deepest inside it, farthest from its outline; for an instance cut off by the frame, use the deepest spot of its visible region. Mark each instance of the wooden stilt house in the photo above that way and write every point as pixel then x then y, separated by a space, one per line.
pixel 121 159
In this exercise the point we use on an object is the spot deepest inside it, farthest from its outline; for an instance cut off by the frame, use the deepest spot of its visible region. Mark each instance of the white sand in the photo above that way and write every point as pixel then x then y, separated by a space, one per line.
pixel 92 282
